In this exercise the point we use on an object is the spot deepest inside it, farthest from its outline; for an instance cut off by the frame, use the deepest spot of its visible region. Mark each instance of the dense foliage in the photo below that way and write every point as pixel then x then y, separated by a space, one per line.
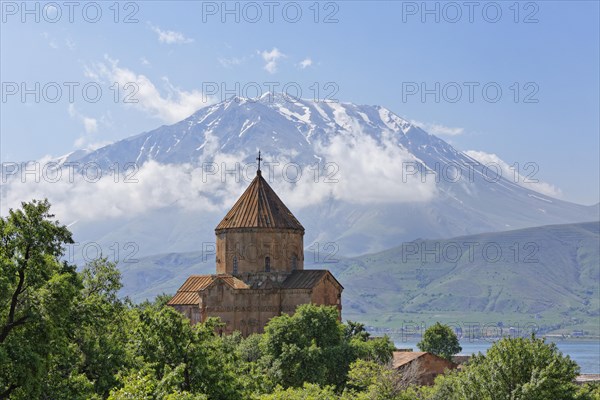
pixel 440 340
pixel 516 368
pixel 67 335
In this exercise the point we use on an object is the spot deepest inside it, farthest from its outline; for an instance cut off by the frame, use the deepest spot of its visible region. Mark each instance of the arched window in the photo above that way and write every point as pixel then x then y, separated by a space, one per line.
pixel 267 264
pixel 235 265
pixel 294 262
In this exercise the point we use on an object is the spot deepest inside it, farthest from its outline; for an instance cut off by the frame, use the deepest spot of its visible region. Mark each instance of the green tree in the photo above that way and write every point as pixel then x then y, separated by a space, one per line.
pixel 37 292
pixel 355 330
pixel 143 385
pixel 164 341
pixel 513 368
pixel 308 391
pixel 313 346
pixel 368 380
pixel 307 346
pixel 251 365
pixel 589 391
pixel 101 326
pixel 440 340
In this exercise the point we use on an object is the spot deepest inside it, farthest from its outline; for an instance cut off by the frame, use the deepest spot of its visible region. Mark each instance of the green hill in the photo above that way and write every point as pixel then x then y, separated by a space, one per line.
pixel 546 276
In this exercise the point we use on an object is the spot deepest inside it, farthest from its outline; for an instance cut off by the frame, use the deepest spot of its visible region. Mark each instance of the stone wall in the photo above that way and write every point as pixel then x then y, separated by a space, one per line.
pixel 327 293
pixel 244 310
pixel 424 369
pixel 191 312
pixel 249 310
pixel 292 298
pixel 252 246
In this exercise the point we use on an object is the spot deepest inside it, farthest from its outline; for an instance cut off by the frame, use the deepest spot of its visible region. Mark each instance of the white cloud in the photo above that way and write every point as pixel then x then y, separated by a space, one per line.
pixel 438 129
pixel 88 139
pixel 307 62
pixel 170 37
pixel 347 172
pixel 70 44
pixel 51 41
pixel 92 73
pixel 175 106
pixel 371 172
pixel 528 180
pixel 83 143
pixel 79 197
pixel 144 61
pixel 353 176
pixel 90 124
pixel 271 58
pixel 230 62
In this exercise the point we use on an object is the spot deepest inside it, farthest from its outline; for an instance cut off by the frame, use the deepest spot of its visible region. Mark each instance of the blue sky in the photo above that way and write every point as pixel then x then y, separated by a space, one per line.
pixel 543 56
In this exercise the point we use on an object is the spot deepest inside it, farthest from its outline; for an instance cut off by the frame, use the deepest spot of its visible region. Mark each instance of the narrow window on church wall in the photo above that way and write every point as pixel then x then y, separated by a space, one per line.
pixel 235 265
pixel 267 264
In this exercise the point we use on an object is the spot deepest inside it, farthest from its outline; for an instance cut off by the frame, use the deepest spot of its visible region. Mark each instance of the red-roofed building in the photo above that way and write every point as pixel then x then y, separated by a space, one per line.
pixel 421 367
pixel 259 265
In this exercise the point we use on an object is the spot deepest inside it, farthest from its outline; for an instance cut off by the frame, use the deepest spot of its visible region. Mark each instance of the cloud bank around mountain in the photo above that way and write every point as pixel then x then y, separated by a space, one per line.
pixel 354 169
pixel 524 175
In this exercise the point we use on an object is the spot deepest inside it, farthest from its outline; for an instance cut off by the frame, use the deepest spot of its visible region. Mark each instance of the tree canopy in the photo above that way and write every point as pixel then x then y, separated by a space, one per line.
pixel 513 368
pixel 440 340
pixel 66 334
pixel 37 293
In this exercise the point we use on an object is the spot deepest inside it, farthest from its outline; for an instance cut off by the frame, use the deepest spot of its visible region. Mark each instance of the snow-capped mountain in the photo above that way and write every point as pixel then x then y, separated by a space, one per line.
pixel 275 123
pixel 370 179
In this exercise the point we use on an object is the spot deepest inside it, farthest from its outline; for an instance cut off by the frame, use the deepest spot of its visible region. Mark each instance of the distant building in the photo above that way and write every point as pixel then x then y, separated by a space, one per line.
pixel 587 378
pixel 259 267
pixel 421 367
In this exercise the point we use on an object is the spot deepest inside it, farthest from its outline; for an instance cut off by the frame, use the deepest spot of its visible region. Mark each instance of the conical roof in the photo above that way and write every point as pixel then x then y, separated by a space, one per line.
pixel 259 207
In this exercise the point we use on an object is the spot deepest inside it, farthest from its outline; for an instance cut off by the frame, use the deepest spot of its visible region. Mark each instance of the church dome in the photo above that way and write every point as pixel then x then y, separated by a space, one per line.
pixel 259 234
pixel 259 207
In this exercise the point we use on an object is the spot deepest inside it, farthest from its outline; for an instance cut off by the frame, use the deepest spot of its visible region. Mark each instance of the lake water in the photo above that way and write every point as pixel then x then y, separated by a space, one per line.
pixel 586 353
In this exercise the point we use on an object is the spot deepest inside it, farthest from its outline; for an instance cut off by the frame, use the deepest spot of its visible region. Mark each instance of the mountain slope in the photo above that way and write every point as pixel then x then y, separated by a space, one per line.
pixel 550 269
pixel 547 275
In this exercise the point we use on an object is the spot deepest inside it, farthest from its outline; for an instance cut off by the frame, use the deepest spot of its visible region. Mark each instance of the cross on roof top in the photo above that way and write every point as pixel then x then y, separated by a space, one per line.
pixel 259 160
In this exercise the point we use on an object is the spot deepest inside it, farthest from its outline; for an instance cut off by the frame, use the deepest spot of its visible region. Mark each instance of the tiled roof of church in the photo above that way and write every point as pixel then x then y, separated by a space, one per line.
pixel 188 292
pixel 306 279
pixel 233 281
pixel 184 299
pixel 404 357
pixel 259 207
pixel 401 358
pixel 195 283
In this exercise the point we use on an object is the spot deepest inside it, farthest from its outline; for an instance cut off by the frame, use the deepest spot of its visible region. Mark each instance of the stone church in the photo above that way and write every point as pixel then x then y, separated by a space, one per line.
pixel 259 267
